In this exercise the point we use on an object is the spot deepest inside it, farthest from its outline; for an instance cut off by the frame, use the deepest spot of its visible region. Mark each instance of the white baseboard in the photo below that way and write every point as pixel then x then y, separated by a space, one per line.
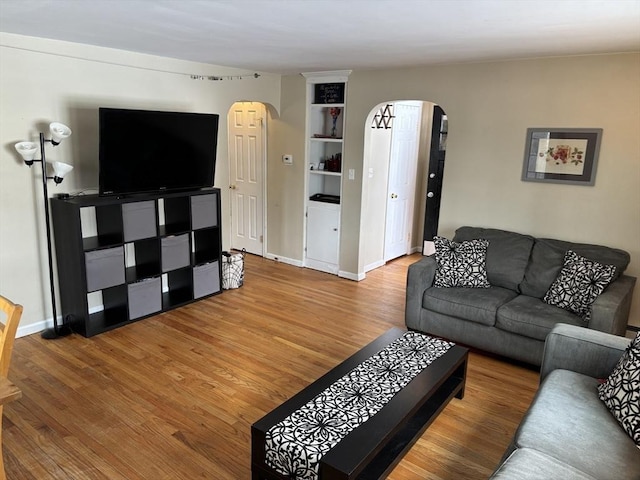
pixel 374 265
pixel 288 261
pixel 38 327
pixel 325 267
pixel 34 328
pixel 356 277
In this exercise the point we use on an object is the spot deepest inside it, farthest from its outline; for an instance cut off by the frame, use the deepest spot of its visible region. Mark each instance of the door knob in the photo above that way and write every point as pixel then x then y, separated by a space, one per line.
pixel 393 195
pixel 430 194
pixel 432 175
pixel 232 187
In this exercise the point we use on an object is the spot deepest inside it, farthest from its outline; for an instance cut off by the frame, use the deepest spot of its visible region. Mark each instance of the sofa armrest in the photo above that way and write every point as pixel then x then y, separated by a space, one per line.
pixel 581 350
pixel 419 277
pixel 610 311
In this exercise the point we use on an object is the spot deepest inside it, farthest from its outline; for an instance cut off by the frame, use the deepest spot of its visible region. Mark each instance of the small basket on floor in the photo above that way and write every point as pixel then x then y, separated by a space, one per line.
pixel 233 269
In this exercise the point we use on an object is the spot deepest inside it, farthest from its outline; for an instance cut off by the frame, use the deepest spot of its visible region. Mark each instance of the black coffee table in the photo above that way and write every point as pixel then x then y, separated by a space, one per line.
pixel 375 447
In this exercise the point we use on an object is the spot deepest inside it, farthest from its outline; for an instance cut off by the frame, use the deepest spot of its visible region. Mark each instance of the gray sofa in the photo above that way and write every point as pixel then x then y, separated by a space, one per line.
pixel 510 318
pixel 568 433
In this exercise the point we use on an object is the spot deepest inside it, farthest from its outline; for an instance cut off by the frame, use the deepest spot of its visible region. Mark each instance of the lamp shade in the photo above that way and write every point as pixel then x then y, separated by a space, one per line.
pixel 59 132
pixel 60 169
pixel 27 150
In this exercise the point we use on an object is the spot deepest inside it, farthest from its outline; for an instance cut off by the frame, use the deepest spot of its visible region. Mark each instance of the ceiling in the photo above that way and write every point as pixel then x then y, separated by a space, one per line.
pixel 290 36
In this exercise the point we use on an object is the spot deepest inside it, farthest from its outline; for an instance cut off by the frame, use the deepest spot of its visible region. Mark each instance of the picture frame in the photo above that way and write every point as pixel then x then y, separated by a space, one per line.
pixel 561 155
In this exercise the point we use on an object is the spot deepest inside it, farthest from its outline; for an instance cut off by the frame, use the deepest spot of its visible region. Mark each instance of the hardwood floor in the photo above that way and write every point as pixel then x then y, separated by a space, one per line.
pixel 173 396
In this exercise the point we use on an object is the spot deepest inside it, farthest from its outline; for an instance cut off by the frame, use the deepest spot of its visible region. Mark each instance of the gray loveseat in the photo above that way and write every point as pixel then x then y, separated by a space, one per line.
pixel 568 433
pixel 510 318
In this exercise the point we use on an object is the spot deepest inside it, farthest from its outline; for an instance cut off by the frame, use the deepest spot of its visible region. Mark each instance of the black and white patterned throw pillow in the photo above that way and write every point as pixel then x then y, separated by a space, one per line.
pixel 461 264
pixel 578 284
pixel 621 392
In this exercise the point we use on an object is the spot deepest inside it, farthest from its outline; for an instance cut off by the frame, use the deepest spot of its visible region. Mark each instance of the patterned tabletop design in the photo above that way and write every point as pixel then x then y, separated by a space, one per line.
pixel 295 446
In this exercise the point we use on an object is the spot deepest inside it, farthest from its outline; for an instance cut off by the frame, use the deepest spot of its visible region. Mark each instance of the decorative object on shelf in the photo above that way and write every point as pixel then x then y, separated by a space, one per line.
pixel 335 113
pixel 384 117
pixel 334 163
pixel 561 155
pixel 28 151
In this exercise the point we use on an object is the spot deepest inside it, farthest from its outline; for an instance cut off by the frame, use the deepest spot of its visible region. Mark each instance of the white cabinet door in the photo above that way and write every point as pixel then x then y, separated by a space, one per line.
pixel 323 233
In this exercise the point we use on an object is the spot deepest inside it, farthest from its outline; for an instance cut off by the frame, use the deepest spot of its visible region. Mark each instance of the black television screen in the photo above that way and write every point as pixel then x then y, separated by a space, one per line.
pixel 150 151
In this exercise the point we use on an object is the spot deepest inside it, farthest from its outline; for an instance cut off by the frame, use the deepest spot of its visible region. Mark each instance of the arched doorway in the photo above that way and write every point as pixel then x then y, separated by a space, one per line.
pixel 379 169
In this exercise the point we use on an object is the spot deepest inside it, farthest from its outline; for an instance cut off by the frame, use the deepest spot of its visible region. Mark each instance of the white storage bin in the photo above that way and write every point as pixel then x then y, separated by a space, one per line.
pixel 145 297
pixel 206 279
pixel 105 268
pixel 175 252
pixel 139 220
pixel 204 211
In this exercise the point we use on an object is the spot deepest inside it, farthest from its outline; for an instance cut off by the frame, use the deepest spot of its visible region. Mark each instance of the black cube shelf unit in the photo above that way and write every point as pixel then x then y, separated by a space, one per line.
pixel 124 259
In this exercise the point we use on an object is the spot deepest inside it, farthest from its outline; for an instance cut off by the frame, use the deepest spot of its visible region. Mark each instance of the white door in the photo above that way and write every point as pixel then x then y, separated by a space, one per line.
pixel 403 165
pixel 246 175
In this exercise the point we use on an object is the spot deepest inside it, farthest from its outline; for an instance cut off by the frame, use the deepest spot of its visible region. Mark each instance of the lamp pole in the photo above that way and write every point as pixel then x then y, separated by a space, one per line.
pixel 27 150
pixel 56 331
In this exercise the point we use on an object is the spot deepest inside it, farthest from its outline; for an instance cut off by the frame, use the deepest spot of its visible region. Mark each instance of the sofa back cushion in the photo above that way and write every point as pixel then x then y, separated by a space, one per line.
pixel 547 259
pixel 507 255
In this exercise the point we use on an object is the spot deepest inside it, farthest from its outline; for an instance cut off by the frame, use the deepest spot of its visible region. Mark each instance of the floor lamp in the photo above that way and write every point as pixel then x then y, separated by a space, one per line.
pixel 28 151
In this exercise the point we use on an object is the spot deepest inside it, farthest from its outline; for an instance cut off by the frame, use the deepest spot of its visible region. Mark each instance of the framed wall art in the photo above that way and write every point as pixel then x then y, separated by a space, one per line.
pixel 561 155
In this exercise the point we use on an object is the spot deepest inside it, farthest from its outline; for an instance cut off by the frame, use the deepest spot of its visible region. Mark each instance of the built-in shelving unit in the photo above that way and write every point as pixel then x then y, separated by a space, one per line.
pixel 123 259
pixel 326 110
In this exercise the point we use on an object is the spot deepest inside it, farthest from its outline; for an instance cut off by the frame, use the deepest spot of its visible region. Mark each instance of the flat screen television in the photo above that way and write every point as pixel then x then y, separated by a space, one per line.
pixel 143 151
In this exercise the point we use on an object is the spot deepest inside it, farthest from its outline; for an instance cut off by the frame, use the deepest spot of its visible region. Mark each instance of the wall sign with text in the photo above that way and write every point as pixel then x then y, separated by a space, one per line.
pixel 329 93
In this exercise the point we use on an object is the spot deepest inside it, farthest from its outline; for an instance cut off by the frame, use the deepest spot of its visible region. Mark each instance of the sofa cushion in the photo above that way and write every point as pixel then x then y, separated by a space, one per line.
pixel 474 304
pixel 547 258
pixel 621 392
pixel 461 264
pixel 579 284
pixel 507 255
pixel 532 317
pixel 529 464
pixel 567 421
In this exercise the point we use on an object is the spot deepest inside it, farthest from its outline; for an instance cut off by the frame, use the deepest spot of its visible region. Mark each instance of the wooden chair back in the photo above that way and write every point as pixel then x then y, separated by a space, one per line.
pixel 12 312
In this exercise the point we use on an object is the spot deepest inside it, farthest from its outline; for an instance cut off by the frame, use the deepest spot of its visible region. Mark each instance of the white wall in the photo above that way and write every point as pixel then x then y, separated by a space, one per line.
pixel 375 168
pixel 489 107
pixel 43 81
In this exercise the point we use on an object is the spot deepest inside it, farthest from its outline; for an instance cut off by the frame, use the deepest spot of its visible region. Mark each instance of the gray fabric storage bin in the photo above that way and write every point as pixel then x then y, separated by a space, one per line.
pixel 206 279
pixel 145 297
pixel 174 252
pixel 105 268
pixel 139 220
pixel 204 211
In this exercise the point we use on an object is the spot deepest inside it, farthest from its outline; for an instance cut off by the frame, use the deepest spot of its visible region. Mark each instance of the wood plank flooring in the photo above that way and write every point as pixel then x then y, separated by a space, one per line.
pixel 173 396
